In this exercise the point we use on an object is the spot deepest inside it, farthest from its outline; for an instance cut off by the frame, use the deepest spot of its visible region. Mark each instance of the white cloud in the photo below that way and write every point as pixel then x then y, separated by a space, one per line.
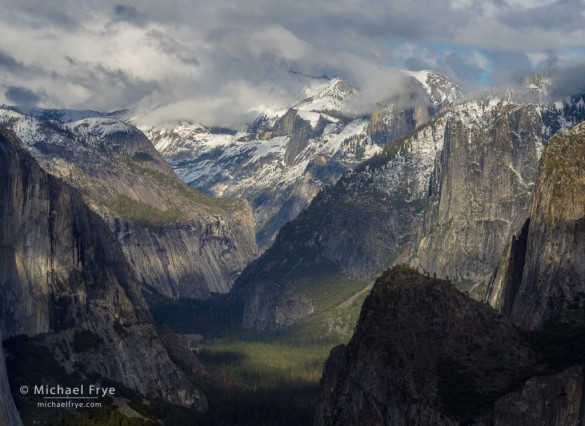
pixel 216 62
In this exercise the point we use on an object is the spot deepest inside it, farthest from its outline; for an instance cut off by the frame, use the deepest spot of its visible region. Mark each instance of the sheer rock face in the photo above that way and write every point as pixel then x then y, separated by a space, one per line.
pixel 390 372
pixel 400 114
pixel 542 279
pixel 201 246
pixel 553 272
pixel 62 270
pixel 191 258
pixel 480 191
pixel 61 266
pixel 424 354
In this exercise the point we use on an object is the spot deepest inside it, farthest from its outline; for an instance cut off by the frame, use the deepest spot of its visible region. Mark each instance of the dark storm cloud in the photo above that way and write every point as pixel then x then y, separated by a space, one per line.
pixel 118 87
pixel 37 14
pixel 417 63
pixel 460 69
pixel 511 68
pixel 569 81
pixel 22 96
pixel 123 13
pixel 8 63
pixel 550 63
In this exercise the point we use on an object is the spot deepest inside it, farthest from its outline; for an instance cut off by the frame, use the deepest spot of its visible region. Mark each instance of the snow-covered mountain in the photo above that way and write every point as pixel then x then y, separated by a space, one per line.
pixel 284 158
pixel 179 242
pixel 440 89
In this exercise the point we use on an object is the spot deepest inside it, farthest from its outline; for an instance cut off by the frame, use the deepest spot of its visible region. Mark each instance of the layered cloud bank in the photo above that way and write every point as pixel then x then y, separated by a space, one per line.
pixel 221 64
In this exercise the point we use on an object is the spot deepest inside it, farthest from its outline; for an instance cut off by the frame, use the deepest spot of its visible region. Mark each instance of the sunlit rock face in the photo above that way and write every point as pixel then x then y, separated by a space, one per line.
pixel 545 275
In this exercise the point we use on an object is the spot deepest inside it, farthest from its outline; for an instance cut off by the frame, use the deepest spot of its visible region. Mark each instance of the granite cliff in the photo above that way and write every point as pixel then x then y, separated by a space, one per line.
pixel 8 412
pixel 480 190
pixel 178 241
pixel 544 272
pixel 64 275
pixel 422 353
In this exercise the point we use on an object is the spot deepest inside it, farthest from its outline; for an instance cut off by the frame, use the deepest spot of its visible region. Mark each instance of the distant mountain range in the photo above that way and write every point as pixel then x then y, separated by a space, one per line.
pixel 284 158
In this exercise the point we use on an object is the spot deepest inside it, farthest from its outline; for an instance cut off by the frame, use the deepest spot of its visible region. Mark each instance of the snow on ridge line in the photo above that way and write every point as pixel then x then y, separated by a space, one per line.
pixel 421 77
pixel 103 125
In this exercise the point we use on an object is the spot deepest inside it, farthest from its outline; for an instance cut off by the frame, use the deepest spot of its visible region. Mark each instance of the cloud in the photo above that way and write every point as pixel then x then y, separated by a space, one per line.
pixel 22 96
pixel 511 68
pixel 8 63
pixel 170 46
pixel 39 15
pixel 123 13
pixel 225 61
pixel 563 15
pixel 568 81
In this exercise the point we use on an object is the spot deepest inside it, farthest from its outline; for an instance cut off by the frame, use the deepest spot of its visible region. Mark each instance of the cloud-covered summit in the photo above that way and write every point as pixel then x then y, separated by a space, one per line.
pixel 221 63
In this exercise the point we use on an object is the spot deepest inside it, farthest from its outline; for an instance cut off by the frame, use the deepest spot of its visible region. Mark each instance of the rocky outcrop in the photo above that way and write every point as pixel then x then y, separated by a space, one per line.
pixel 64 273
pixel 60 264
pixel 543 401
pixel 263 309
pixel 422 353
pixel 383 377
pixel 400 114
pixel 377 213
pixel 191 258
pixel 178 241
pixel 132 354
pixel 425 354
pixel 553 271
pixel 509 274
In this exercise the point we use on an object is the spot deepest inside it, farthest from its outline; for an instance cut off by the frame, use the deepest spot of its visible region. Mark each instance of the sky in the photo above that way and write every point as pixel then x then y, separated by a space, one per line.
pixel 222 63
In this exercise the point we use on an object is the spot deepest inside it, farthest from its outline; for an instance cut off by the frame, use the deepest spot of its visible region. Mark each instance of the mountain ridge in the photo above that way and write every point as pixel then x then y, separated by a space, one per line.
pixel 179 241
pixel 285 157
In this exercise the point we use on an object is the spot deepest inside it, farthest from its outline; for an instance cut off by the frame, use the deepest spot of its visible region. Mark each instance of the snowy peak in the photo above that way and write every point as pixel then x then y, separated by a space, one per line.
pixel 333 97
pixel 440 89
pixel 100 127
